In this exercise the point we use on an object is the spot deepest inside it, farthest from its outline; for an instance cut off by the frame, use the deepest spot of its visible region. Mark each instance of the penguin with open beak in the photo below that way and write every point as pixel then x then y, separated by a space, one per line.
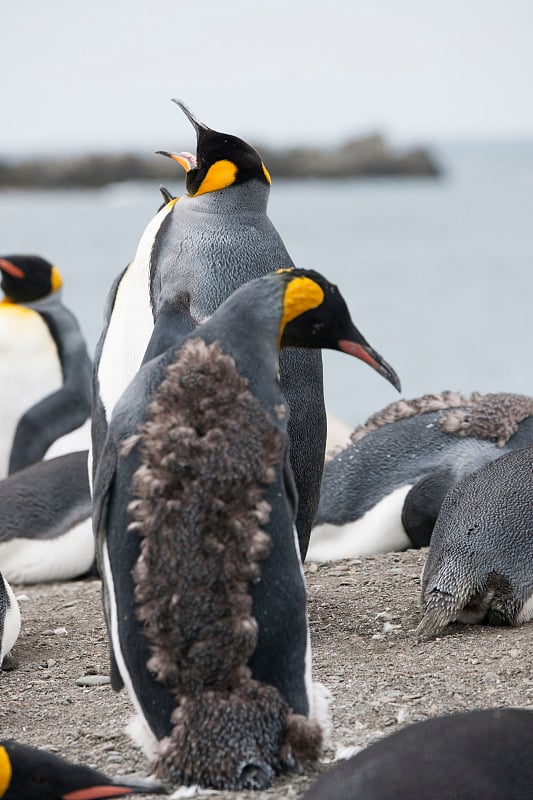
pixel 194 515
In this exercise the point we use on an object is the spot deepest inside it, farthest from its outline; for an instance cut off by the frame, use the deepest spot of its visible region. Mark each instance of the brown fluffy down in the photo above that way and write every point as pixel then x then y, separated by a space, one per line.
pixel 207 450
pixel 487 416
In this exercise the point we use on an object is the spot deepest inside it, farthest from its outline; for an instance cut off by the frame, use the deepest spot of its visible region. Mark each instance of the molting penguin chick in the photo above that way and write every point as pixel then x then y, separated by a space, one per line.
pixel 207 244
pixel 206 605
pixel 384 490
pixel 46 532
pixel 480 562
pixel 27 773
pixel 483 753
pixel 45 372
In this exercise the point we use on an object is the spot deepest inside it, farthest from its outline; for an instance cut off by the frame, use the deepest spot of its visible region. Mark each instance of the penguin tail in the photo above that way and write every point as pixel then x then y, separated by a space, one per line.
pixel 441 608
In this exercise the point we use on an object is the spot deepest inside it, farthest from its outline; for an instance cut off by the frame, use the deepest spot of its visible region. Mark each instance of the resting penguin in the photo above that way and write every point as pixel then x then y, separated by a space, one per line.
pixel 384 490
pixel 480 562
pixel 9 619
pixel 483 754
pixel 207 244
pixel 196 457
pixel 45 372
pixel 28 773
pixel 46 530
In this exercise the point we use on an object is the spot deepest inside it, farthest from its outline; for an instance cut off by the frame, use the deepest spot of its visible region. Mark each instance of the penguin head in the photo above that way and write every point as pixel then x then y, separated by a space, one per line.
pixel 32 774
pixel 314 314
pixel 28 278
pixel 221 160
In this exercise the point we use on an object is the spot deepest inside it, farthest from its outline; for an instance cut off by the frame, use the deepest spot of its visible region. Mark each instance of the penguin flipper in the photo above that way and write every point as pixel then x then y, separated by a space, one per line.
pixel 422 505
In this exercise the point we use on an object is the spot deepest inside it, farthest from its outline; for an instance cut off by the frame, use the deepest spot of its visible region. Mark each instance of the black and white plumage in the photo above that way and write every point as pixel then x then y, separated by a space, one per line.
pixel 478 754
pixel 45 371
pixel 46 531
pixel 384 490
pixel 205 600
pixel 9 619
pixel 480 562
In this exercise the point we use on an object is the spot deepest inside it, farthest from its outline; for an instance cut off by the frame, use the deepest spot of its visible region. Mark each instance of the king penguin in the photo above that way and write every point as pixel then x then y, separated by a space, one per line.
pixel 484 753
pixel 46 531
pixel 45 371
pixel 28 773
pixel 206 244
pixel 384 490
pixel 194 515
pixel 479 567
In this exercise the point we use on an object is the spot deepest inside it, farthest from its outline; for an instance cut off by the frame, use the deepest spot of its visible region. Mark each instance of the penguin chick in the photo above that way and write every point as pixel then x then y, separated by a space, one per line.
pixel 479 566
pixel 206 603
pixel 45 371
pixel 477 754
pixel 384 490
pixel 9 619
pixel 27 773
pixel 46 531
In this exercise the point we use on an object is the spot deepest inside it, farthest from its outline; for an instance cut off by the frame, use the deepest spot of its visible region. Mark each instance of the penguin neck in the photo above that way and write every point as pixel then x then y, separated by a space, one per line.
pixel 50 301
pixel 244 199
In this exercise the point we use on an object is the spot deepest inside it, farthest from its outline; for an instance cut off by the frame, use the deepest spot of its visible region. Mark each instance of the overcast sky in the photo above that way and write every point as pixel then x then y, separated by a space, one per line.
pixel 100 75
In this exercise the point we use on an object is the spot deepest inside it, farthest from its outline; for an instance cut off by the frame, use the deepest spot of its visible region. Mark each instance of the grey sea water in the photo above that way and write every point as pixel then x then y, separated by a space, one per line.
pixel 437 274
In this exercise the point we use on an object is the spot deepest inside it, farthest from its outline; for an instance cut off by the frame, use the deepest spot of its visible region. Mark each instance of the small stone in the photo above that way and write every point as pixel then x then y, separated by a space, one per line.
pixel 312 567
pixel 514 653
pixel 60 631
pixel 51 662
pixel 93 680
pixel 401 716
pixel 376 636
pixel 21 598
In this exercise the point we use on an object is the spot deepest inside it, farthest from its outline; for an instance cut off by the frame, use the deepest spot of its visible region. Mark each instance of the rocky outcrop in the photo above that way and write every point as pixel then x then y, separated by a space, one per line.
pixel 362 157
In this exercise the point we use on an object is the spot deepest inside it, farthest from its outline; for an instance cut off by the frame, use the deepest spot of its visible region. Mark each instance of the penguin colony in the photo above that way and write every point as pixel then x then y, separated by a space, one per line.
pixel 205 489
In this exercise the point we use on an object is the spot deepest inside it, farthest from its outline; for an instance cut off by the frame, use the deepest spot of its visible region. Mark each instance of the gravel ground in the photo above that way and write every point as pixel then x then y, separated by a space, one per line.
pixel 363 614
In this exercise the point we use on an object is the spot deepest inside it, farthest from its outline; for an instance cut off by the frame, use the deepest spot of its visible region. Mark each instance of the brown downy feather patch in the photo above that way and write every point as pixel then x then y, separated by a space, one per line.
pixel 207 450
pixel 402 409
pixel 489 416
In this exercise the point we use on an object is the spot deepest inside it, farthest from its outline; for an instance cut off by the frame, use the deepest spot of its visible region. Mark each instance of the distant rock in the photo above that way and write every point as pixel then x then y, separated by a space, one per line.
pixel 362 157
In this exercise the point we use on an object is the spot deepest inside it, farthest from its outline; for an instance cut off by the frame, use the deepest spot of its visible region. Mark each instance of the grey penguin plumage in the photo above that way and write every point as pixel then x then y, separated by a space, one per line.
pixel 480 562
pixel 484 753
pixel 45 371
pixel 196 457
pixel 384 490
pixel 46 531
pixel 206 244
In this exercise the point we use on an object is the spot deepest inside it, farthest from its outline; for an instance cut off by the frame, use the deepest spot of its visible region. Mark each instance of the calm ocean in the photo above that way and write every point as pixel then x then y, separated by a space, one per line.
pixel 437 274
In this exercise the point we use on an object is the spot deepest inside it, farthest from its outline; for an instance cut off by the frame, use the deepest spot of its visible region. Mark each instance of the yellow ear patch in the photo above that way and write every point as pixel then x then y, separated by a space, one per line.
pixel 301 295
pixel 5 771
pixel 219 175
pixel 55 279
pixel 267 174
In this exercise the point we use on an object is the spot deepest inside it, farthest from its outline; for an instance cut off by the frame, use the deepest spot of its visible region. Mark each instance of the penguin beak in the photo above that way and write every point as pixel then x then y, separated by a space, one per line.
pixel 197 125
pixel 11 269
pixel 185 160
pixel 366 353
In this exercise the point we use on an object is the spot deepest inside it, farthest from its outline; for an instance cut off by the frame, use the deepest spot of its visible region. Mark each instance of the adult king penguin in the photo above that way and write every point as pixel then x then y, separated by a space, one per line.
pixel 45 372
pixel 204 594
pixel 206 244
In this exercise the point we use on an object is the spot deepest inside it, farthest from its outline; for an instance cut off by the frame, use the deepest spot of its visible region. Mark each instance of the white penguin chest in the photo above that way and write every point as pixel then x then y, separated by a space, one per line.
pixel 29 370
pixel 131 323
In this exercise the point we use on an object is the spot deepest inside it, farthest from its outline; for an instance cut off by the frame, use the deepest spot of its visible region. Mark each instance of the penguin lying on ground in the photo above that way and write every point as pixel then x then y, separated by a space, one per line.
pixel 207 244
pixel 480 562
pixel 384 491
pixel 27 773
pixel 9 620
pixel 219 671
pixel 45 372
pixel 46 528
pixel 483 754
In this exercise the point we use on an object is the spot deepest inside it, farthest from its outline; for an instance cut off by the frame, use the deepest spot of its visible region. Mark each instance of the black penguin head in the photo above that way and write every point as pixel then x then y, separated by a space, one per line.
pixel 315 315
pixel 221 160
pixel 32 774
pixel 28 278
